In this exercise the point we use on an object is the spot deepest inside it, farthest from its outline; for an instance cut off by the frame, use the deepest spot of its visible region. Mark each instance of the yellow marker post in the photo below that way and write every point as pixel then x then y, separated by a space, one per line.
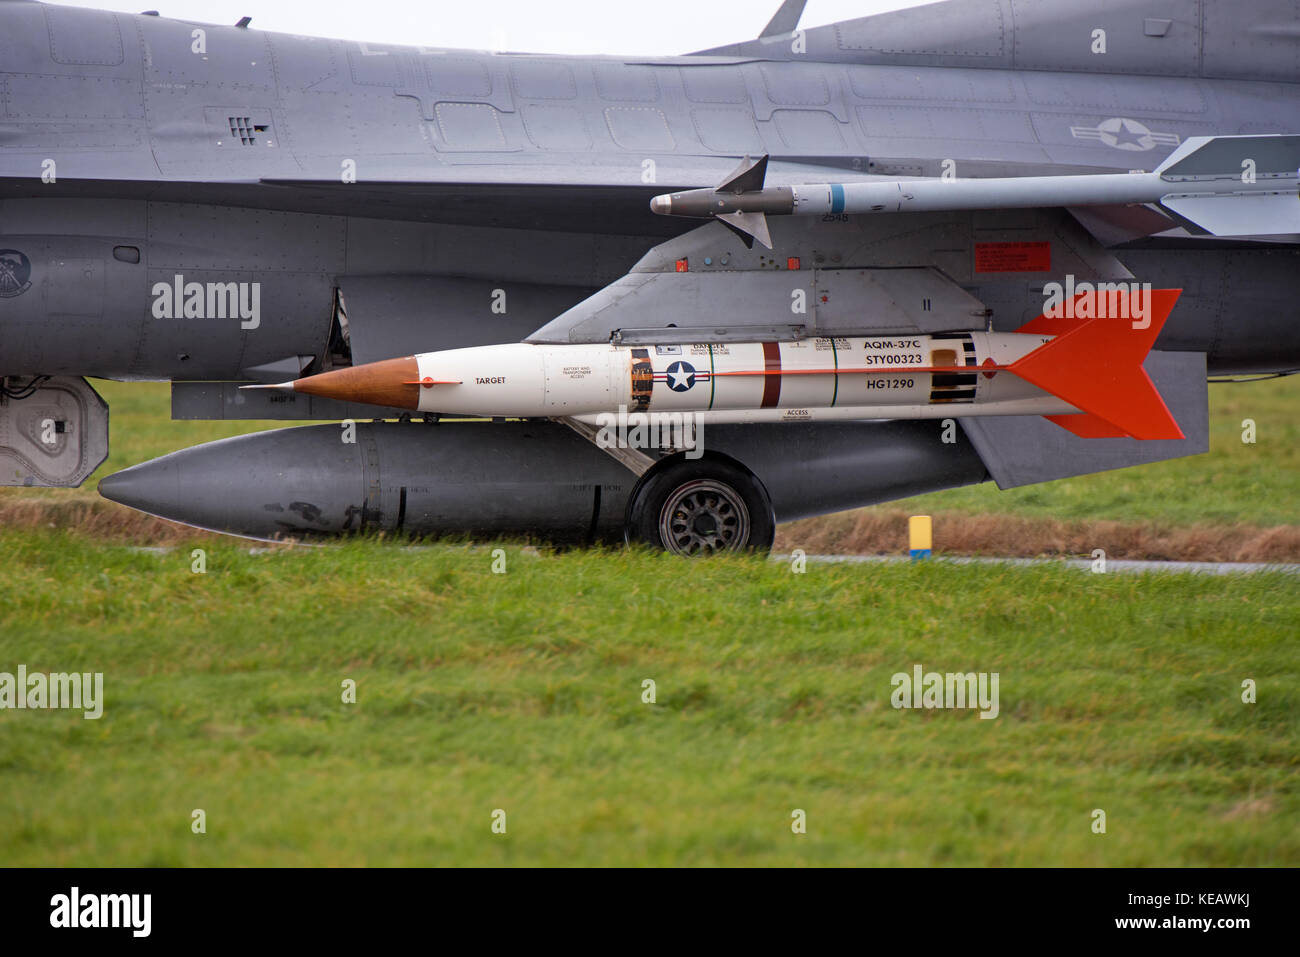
pixel 919 532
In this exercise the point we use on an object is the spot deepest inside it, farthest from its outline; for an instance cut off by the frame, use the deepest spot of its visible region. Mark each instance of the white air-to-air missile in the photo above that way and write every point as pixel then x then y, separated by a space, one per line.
pixel 1085 375
pixel 1216 185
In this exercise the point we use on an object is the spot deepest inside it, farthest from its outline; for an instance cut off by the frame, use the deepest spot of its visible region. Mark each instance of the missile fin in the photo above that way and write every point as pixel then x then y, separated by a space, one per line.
pixel 1200 162
pixel 1097 367
pixel 1044 325
pixel 1087 426
pixel 748 226
pixel 748 177
pixel 786 20
pixel 1259 214
pixel 279 386
pixel 1222 156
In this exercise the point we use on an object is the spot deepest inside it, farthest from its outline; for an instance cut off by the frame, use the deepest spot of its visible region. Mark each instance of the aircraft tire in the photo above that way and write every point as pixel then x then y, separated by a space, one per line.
pixel 702 507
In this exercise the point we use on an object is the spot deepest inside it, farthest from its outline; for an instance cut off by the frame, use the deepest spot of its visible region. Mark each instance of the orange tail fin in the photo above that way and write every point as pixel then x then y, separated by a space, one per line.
pixel 1096 366
pixel 1087 426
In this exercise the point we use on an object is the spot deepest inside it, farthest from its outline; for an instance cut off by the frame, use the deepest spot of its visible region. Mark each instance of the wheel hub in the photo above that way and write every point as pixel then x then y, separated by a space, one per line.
pixel 704 516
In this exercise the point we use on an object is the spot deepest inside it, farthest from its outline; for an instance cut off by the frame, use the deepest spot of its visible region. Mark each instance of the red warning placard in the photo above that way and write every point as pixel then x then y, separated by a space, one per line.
pixel 1013 257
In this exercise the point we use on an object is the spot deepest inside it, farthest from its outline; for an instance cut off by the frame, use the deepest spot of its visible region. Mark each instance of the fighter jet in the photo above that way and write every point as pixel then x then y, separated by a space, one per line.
pixel 977 240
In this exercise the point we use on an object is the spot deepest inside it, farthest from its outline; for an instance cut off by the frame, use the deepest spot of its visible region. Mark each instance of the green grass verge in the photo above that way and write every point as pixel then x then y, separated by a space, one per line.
pixel 523 691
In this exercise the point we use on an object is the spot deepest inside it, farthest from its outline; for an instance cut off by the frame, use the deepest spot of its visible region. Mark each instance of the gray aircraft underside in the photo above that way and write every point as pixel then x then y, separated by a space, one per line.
pixel 384 200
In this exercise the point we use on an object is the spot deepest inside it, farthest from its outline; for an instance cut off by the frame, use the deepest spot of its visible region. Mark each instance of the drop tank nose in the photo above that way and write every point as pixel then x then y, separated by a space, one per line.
pixel 264 485
pixel 149 487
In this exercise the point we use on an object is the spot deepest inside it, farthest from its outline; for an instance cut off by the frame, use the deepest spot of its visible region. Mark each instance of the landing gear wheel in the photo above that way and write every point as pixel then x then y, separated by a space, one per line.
pixel 700 508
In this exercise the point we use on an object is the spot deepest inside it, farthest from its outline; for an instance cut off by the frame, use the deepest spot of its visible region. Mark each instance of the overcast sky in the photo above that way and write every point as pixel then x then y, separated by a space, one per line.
pixel 538 26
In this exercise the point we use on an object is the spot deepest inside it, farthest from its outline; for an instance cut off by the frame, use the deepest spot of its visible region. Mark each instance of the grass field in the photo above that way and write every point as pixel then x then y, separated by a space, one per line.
pixel 523 691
